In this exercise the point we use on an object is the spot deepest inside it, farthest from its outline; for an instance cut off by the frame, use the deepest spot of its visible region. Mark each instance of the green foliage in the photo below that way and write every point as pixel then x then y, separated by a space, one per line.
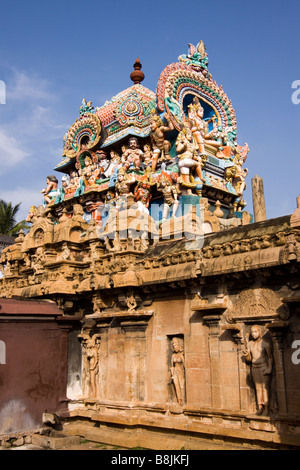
pixel 8 220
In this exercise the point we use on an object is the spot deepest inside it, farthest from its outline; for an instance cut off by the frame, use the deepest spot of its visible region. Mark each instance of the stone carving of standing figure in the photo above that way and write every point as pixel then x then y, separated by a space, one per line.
pixel 160 145
pixel 90 366
pixel 259 354
pixel 178 369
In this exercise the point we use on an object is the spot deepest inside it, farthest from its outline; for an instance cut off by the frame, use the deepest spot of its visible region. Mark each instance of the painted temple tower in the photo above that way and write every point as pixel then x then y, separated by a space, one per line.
pixel 159 147
pixel 147 249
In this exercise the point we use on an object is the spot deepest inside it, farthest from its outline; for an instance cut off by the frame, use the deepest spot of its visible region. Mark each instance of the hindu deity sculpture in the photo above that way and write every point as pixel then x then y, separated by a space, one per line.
pixel 199 127
pixel 133 155
pixel 90 347
pixel 178 369
pixel 147 155
pixel 259 354
pixel 170 193
pixel 184 134
pixel 160 145
pixel 188 157
pixel 123 188
pixel 50 192
pixel 142 195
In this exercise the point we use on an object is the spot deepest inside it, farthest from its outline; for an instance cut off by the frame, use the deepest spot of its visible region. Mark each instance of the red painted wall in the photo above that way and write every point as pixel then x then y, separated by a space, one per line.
pixel 33 378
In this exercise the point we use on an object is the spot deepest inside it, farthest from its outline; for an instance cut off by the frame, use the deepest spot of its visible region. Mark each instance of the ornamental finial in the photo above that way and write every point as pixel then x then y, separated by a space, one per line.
pixel 137 76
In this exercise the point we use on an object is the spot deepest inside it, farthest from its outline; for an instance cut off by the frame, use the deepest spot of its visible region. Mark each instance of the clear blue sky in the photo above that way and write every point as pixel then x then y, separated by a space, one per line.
pixel 54 54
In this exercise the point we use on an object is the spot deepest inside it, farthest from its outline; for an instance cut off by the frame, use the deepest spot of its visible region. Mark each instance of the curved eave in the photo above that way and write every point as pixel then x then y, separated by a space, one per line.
pixel 65 164
pixel 126 132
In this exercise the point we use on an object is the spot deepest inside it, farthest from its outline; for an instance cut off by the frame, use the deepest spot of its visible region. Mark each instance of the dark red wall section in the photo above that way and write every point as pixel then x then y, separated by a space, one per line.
pixel 33 378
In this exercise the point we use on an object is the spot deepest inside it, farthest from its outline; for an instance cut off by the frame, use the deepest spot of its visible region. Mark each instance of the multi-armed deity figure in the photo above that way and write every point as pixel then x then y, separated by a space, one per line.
pixel 161 146
pixel 199 127
pixel 188 157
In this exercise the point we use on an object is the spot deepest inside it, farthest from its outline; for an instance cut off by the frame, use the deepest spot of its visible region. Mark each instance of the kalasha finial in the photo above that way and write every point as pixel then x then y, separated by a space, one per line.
pixel 137 76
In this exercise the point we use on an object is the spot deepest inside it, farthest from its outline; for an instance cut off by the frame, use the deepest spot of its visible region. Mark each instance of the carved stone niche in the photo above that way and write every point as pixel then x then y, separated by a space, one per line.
pixel 257 304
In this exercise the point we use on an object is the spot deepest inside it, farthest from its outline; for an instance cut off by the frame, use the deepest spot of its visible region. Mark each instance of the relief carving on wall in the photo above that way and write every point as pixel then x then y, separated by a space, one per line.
pixel 90 364
pixel 258 353
pixel 262 303
pixel 178 369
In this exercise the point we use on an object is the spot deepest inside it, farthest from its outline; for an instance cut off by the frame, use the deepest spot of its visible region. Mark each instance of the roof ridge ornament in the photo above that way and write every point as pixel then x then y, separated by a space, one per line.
pixel 137 76
pixel 197 58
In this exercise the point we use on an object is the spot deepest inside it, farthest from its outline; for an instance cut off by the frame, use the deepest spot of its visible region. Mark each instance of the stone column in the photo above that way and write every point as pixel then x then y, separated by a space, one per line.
pixel 135 360
pixel 214 353
pixel 277 330
pixel 258 196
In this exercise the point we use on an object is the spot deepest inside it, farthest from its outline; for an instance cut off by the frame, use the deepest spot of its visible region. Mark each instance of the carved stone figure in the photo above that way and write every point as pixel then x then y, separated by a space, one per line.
pixel 147 155
pixel 188 159
pixel 170 194
pixel 160 145
pixel 122 188
pixel 236 175
pixel 259 354
pixel 32 215
pixel 142 196
pixel 90 365
pixel 50 192
pixel 178 369
pixel 133 155
pixel 199 127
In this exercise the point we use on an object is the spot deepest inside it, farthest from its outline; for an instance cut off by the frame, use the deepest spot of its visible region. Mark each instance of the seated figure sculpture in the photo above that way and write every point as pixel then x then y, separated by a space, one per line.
pixel 199 127
pixel 50 192
pixel 133 155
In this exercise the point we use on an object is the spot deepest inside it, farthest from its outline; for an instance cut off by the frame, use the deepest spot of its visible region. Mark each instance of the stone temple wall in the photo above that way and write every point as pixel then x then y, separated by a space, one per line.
pixel 173 339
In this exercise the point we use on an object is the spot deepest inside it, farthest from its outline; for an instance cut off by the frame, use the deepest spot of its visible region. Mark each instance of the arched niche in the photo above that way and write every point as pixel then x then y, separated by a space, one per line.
pixel 38 237
pixel 209 110
pixel 75 234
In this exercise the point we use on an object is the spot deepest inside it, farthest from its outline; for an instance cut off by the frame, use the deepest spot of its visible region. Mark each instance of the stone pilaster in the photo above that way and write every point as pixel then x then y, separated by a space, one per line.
pixel 214 352
pixel 278 330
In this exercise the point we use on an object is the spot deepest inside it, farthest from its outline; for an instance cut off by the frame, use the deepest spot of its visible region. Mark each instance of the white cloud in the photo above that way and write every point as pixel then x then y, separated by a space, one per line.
pixel 10 151
pixel 24 86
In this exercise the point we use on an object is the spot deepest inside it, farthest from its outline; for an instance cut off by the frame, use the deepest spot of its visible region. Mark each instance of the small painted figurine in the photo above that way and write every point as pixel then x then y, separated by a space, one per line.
pixel 170 194
pixel 160 145
pixel 133 155
pixel 147 155
pixel 199 127
pixel 122 188
pixel 50 192
pixel 142 195
pixel 188 158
